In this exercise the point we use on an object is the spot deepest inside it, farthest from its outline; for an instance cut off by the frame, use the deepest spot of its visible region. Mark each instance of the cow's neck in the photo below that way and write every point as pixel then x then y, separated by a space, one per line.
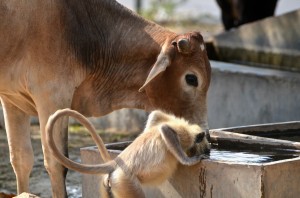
pixel 99 31
pixel 118 49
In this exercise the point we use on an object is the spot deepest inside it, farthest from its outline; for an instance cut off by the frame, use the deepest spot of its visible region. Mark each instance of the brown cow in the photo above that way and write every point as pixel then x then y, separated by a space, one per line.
pixel 94 56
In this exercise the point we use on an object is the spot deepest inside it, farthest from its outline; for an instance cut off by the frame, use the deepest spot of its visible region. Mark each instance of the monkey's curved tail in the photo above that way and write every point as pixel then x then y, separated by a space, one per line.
pixel 82 168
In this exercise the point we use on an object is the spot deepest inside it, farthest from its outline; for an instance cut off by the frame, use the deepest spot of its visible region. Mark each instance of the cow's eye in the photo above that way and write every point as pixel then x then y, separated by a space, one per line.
pixel 191 80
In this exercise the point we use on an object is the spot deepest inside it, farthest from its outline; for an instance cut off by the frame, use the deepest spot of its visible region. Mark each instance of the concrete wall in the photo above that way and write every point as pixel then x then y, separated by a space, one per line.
pixel 241 95
pixel 272 42
pixel 238 95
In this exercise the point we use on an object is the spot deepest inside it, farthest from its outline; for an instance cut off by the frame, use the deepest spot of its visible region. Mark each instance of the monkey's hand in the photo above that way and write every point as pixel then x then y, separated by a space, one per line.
pixel 195 159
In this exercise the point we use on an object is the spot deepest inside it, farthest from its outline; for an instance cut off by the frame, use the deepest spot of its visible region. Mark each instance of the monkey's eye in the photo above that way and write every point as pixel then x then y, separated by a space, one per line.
pixel 192 80
pixel 199 137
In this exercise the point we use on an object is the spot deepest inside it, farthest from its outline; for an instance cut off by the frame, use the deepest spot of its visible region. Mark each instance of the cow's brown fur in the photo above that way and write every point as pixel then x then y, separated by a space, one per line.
pixel 92 56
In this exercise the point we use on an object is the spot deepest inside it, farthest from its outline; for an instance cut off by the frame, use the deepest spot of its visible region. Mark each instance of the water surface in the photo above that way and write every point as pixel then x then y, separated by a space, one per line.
pixel 251 155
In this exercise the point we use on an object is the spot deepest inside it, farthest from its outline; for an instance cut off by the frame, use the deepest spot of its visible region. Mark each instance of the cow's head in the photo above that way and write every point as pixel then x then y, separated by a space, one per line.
pixel 178 81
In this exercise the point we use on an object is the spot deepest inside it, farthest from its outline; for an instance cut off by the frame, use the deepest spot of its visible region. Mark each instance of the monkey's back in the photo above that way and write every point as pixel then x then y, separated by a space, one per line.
pixel 150 160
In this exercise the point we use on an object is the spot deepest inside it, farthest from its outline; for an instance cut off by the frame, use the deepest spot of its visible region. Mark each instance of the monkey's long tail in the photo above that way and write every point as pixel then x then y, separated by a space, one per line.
pixel 83 168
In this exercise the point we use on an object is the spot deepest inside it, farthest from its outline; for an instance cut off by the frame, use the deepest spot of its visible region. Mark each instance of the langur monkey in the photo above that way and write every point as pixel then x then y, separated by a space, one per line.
pixel 149 160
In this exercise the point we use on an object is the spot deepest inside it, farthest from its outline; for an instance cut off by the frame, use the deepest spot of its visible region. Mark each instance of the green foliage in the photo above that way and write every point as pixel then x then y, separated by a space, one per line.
pixel 167 7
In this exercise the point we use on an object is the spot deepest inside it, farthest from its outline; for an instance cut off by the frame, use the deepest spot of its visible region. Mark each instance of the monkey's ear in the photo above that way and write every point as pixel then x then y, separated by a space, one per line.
pixel 156 117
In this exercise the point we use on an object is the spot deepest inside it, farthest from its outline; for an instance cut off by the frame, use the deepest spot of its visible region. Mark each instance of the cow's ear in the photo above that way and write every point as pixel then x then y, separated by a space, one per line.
pixel 163 61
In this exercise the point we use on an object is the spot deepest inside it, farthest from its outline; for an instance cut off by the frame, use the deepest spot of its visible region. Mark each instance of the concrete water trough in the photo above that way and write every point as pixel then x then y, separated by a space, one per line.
pixel 240 165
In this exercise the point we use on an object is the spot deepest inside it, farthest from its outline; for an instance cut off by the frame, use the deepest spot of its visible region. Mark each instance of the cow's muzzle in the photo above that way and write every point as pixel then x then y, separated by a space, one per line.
pixel 207 135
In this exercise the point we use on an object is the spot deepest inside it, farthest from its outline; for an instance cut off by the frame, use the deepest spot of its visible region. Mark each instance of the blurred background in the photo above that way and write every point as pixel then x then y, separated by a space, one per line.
pixel 186 13
pixel 254 48
pixel 197 9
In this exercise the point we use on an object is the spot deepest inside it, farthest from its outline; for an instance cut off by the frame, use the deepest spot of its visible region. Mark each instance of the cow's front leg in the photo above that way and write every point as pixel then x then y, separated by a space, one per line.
pixel 18 135
pixel 56 171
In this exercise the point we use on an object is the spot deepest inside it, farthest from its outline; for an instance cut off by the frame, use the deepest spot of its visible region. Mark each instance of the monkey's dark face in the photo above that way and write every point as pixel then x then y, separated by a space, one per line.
pixel 201 145
pixel 199 138
pixel 192 137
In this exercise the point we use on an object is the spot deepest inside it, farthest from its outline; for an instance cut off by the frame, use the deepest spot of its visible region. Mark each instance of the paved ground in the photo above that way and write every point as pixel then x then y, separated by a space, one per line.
pixel 39 182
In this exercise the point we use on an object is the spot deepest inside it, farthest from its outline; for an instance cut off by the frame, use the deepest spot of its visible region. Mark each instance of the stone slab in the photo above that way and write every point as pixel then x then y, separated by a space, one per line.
pixel 241 95
pixel 273 42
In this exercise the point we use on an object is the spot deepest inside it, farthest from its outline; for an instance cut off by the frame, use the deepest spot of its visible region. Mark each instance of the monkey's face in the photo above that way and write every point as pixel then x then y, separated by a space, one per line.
pixel 191 136
pixel 201 144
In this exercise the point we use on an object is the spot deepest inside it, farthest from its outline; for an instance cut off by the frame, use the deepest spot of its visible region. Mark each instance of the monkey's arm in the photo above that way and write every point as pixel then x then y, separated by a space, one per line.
pixel 171 140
